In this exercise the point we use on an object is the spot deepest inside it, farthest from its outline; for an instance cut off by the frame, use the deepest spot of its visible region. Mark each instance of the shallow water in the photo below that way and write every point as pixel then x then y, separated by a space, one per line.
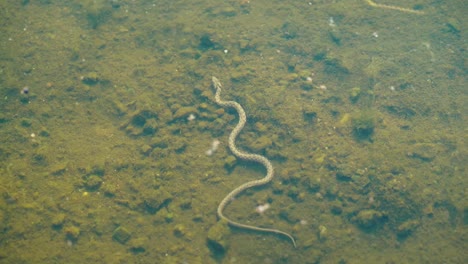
pixel 106 158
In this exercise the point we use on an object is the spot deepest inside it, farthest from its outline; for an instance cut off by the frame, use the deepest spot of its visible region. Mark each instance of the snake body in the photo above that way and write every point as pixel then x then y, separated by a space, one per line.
pixel 246 156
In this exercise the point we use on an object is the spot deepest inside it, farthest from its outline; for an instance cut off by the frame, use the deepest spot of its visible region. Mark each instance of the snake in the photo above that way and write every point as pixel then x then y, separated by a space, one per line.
pixel 245 156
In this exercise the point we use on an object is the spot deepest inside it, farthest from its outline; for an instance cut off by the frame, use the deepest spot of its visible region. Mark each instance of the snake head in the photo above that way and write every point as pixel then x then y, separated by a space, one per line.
pixel 216 83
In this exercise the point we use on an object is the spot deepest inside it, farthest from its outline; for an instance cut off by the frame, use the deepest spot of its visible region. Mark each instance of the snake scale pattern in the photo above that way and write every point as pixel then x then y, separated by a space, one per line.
pixel 246 156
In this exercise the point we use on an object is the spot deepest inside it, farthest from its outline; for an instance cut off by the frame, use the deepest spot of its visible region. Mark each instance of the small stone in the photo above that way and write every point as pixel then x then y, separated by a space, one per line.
pixel 313 183
pixel 179 230
pixel 58 220
pixel 72 233
pixel 369 218
pixel 26 122
pixel 307 86
pixel 229 162
pixel 336 208
pixel 323 232
pixel 58 169
pixel 261 127
pixel 261 143
pixel 91 78
pixel 184 112
pixel 146 149
pixel 217 237
pixel 425 151
pixel 138 245
pixel 407 228
pixel 93 183
pixel 44 133
pixel 309 113
pixel 121 235
pixel 169 217
pixel 157 201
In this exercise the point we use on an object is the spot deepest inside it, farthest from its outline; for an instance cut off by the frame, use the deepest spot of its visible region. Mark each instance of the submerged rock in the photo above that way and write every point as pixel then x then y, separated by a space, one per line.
pixel 121 235
pixel 407 228
pixel 217 237
pixel 369 218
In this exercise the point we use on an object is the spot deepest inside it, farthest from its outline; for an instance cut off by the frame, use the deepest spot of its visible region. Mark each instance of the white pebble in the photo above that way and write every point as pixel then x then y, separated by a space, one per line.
pixel 191 117
pixel 262 208
pixel 214 146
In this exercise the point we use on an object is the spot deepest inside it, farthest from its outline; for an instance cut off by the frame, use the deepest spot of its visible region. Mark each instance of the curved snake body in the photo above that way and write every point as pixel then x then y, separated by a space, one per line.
pixel 246 156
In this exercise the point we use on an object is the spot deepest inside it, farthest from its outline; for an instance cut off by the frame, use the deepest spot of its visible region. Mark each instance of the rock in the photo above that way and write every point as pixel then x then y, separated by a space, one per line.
pixel 369 218
pixel 307 86
pixel 336 208
pixel 424 151
pixel 323 232
pixel 157 201
pixel 261 143
pixel 310 113
pixel 138 245
pixel 91 78
pixel 363 124
pixel 25 122
pixel 72 233
pixel 260 127
pixel 93 182
pixel 121 235
pixel 229 162
pixel 142 122
pixel 146 149
pixel 58 220
pixel 454 25
pixel 40 158
pixel 354 94
pixel 184 112
pixel 179 230
pixel 313 183
pixel 58 169
pixel 407 228
pixel 217 237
